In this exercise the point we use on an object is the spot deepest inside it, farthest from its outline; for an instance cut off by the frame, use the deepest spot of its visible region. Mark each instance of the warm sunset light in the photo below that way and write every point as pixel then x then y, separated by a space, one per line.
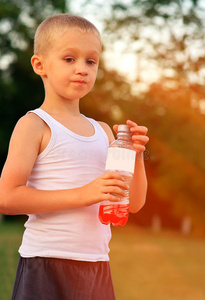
pixel 151 71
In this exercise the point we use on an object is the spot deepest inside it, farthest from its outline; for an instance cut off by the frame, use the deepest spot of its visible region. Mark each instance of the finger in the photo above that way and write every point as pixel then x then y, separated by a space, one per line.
pixel 136 128
pixel 111 197
pixel 115 128
pixel 116 191
pixel 131 123
pixel 139 148
pixel 116 183
pixel 112 175
pixel 139 130
pixel 142 139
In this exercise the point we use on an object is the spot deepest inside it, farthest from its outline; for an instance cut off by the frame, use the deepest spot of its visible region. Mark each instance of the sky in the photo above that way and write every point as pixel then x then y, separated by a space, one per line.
pixel 124 60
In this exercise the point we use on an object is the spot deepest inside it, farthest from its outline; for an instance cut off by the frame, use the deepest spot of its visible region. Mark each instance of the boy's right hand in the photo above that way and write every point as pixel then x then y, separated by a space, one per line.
pixel 108 187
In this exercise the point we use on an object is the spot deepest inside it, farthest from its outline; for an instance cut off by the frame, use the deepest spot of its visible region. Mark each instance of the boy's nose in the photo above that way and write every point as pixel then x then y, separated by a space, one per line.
pixel 81 69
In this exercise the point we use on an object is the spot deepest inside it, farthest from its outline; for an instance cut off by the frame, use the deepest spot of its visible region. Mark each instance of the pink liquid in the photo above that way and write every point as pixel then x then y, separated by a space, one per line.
pixel 117 214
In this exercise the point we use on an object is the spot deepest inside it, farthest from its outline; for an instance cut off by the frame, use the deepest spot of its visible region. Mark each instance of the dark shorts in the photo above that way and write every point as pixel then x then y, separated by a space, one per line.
pixel 60 279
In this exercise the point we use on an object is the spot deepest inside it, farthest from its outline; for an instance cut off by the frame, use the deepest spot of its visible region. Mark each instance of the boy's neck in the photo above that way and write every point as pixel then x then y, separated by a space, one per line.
pixel 70 107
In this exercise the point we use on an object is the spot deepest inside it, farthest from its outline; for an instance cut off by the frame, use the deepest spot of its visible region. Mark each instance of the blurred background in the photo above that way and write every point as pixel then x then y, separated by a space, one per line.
pixel 152 71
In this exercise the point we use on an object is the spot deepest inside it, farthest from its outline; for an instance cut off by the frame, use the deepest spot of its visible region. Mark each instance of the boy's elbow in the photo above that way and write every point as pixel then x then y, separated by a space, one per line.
pixel 139 200
pixel 5 201
pixel 137 206
pixel 3 206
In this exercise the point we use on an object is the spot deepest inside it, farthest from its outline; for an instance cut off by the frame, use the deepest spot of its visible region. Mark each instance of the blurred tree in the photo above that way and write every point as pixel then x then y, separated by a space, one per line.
pixel 168 39
pixel 167 36
pixel 21 89
pixel 168 94
pixel 175 161
pixel 109 96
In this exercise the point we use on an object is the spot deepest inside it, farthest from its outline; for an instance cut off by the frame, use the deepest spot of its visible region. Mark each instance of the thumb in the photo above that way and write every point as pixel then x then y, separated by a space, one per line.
pixel 115 127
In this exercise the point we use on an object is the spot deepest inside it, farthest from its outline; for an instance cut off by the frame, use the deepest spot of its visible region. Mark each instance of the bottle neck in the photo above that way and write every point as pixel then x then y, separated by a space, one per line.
pixel 123 136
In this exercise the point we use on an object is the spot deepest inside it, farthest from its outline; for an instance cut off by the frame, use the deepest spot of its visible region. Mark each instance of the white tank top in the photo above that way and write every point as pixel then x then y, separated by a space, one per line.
pixel 69 161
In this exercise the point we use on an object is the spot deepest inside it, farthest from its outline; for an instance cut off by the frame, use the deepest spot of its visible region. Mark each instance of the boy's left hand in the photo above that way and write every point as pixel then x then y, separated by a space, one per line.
pixel 139 135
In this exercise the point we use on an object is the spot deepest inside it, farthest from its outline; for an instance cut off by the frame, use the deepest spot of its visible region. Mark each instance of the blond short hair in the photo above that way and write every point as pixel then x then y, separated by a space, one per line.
pixel 55 26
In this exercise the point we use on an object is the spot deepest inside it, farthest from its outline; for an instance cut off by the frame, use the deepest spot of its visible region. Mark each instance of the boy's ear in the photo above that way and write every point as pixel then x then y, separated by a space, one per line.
pixel 38 65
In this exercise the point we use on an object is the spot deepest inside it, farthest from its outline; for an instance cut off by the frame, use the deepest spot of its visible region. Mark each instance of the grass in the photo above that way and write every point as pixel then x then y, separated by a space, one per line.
pixel 10 239
pixel 165 266
pixel 145 266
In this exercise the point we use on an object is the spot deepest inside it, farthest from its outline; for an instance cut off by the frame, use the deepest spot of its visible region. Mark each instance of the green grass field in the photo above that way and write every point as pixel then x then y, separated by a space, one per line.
pixel 145 266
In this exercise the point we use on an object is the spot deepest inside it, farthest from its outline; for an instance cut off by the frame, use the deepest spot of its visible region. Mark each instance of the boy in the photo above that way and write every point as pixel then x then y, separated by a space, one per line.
pixel 54 172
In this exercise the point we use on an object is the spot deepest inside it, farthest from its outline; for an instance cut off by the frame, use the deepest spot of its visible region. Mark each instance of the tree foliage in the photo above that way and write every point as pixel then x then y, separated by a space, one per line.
pixel 170 36
pixel 21 89
pixel 167 38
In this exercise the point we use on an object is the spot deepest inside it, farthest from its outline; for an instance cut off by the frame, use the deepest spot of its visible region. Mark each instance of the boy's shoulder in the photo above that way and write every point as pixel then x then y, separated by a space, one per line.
pixel 30 119
pixel 31 124
pixel 27 135
pixel 107 130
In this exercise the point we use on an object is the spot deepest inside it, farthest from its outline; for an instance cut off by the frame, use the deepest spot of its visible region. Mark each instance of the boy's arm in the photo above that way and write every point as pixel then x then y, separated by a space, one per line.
pixel 17 198
pixel 138 186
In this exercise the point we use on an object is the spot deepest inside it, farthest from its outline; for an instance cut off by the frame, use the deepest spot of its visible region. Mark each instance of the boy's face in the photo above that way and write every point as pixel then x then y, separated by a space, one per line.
pixel 71 65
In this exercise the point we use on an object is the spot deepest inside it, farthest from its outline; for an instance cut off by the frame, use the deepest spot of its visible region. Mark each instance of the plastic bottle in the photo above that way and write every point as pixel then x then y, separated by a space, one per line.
pixel 121 159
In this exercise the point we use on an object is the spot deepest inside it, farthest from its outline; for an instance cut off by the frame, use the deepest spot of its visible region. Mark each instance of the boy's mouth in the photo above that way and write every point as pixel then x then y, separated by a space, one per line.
pixel 79 81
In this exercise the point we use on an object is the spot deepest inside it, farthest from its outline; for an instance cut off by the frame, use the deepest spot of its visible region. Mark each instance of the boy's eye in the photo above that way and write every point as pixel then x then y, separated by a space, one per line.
pixel 91 62
pixel 69 59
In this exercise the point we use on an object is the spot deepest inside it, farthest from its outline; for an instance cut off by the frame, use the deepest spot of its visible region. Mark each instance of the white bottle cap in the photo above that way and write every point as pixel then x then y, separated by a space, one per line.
pixel 124 128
